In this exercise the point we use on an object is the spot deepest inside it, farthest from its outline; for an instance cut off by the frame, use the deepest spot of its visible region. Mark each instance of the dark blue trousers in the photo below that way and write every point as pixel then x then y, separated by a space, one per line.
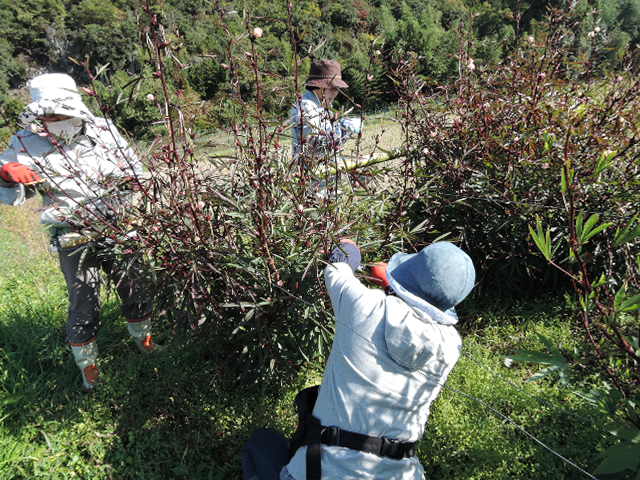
pixel 264 455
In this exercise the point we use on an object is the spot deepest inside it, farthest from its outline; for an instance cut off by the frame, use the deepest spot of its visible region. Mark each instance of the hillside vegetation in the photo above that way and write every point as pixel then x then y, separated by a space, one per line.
pixel 38 35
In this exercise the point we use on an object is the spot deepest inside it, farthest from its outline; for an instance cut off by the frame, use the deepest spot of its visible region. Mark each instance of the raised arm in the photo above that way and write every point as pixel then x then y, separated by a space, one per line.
pixel 342 285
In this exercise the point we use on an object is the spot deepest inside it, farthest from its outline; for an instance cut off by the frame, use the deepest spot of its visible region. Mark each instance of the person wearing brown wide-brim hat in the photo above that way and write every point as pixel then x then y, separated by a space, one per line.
pixel 316 130
pixel 326 74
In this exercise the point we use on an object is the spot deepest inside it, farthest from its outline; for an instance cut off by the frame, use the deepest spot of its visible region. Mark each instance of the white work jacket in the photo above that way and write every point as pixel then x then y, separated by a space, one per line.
pixel 76 175
pixel 315 130
pixel 387 365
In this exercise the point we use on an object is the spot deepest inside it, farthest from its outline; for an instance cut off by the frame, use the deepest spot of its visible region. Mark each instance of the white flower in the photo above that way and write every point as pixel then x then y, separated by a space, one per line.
pixel 591 34
pixel 377 53
pixel 597 29
pixel 151 97
pixel 471 65
pixel 257 32
pixel 530 39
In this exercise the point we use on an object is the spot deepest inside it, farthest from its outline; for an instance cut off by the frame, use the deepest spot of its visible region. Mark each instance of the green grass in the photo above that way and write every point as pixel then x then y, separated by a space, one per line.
pixel 183 413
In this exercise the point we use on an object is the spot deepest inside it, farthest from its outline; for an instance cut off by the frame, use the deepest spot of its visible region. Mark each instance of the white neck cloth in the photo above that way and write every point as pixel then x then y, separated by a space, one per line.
pixel 437 315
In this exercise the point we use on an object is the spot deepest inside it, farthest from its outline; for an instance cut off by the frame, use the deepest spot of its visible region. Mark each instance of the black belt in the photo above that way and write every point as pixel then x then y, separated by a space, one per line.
pixel 381 446
pixel 313 434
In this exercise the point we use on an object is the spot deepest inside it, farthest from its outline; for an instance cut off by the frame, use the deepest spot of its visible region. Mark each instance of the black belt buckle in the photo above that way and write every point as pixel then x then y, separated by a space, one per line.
pixel 391 448
pixel 331 436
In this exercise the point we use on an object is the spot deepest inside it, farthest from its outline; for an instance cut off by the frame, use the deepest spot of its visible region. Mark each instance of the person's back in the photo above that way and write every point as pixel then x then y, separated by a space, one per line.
pixel 390 357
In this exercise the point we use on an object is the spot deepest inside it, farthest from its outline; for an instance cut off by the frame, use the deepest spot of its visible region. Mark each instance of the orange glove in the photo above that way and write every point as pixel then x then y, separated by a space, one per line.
pixel 15 172
pixel 379 274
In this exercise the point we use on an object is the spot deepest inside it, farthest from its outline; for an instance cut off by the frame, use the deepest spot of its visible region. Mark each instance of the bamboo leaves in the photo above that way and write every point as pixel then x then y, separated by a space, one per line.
pixel 586 230
pixel 625 303
pixel 542 239
pixel 628 233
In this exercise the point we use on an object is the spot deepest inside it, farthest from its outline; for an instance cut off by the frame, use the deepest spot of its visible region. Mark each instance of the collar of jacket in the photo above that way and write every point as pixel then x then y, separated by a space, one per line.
pixel 443 318
pixel 311 96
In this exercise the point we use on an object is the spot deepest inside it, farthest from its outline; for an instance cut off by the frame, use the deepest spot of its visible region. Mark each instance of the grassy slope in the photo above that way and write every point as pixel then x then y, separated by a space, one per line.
pixel 179 414
pixel 183 414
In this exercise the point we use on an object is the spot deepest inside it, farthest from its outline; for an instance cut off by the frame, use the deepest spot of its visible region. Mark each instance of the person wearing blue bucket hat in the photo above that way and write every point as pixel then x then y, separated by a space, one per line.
pixel 433 280
pixel 391 355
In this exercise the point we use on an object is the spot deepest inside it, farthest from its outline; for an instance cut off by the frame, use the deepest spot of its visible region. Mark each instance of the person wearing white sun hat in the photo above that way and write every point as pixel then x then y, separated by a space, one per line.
pixel 73 159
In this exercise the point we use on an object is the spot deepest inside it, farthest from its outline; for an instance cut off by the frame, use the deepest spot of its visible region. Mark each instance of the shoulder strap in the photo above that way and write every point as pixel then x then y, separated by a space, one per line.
pixel 314 465
pixel 304 402
pixel 308 432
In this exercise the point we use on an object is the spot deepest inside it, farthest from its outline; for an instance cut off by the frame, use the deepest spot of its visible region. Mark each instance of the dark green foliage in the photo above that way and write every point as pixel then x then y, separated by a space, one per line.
pixel 10 109
pixel 131 102
pixel 34 28
pixel 44 34
pixel 103 33
pixel 206 77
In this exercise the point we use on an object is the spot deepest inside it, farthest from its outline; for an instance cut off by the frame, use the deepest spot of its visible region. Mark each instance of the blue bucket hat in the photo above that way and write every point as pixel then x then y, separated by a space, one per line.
pixel 440 275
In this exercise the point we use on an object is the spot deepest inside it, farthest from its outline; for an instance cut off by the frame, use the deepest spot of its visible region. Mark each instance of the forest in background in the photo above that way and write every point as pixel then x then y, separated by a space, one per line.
pixel 369 37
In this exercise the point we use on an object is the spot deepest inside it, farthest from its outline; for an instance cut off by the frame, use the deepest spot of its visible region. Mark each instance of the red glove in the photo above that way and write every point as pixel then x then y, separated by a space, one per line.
pixel 15 172
pixel 379 274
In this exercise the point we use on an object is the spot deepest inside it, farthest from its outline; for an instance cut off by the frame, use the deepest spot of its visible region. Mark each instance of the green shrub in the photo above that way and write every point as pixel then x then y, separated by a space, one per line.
pixel 132 102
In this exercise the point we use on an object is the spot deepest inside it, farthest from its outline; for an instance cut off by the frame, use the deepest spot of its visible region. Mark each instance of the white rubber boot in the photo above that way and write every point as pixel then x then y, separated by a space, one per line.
pixel 86 357
pixel 140 331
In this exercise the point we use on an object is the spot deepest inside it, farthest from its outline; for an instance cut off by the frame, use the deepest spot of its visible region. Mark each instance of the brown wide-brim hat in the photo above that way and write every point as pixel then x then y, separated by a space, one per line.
pixel 326 74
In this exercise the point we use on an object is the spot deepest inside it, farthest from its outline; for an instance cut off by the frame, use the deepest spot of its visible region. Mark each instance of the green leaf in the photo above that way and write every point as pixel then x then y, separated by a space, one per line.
pixel 601 281
pixel 545 372
pixel 598 229
pixel 527 356
pixel 625 431
pixel 420 227
pixel 627 234
pixel 604 161
pixel 619 458
pixel 579 224
pixel 630 304
pixel 589 229
pixel 563 182
pixel 100 70
pixel 552 357
pixel 542 239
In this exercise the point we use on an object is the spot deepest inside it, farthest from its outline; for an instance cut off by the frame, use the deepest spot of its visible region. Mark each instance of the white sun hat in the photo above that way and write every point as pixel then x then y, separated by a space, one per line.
pixel 54 94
